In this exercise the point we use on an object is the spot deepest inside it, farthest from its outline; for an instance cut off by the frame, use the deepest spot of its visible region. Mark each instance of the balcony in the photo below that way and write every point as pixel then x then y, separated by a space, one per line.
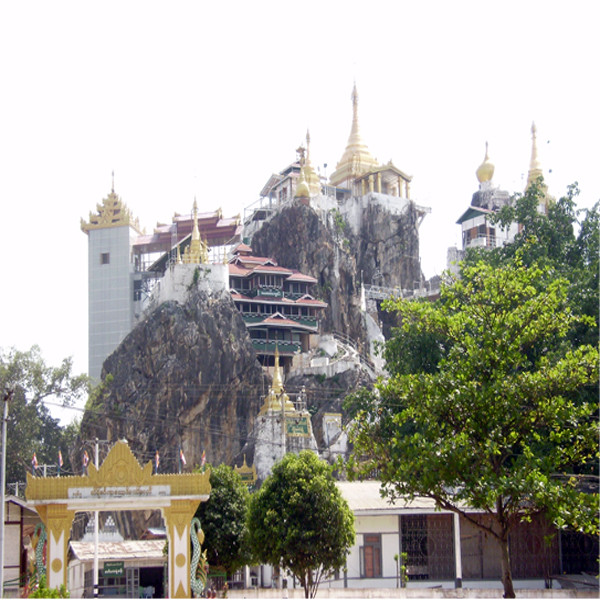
pixel 285 347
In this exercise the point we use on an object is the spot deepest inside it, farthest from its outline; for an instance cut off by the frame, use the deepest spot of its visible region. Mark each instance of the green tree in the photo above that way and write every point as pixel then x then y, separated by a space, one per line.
pixel 500 423
pixel 31 428
pixel 563 238
pixel 223 520
pixel 298 520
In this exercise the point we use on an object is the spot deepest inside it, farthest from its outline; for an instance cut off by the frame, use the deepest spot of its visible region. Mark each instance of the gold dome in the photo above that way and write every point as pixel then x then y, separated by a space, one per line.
pixel 302 189
pixel 485 172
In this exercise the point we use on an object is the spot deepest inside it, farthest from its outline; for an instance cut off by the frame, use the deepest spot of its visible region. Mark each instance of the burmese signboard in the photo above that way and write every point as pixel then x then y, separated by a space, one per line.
pixel 105 492
pixel 115 568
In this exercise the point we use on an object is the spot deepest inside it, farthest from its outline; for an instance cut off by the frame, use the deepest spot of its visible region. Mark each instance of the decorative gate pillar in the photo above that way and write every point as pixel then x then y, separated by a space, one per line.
pixel 178 518
pixel 58 520
pixel 120 484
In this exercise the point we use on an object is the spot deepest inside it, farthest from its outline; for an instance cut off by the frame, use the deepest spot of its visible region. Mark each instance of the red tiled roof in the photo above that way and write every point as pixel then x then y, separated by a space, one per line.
pixel 271 269
pixel 312 302
pixel 297 276
pixel 238 270
pixel 241 247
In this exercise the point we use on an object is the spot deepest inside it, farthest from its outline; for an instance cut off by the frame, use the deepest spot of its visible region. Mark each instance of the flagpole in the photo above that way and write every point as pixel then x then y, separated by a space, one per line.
pixel 96 516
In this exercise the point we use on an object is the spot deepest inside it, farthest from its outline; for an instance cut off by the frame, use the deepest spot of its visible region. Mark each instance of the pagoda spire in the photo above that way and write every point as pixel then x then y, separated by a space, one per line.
pixel 535 167
pixel 197 251
pixel 277 385
pixel 356 159
pixel 312 179
pixel 535 172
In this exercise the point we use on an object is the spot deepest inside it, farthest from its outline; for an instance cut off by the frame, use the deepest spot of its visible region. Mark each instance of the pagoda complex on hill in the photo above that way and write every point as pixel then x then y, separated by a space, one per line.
pixel 127 267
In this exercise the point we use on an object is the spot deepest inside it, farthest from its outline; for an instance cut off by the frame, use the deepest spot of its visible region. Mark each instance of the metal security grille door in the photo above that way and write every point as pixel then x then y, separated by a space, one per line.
pixel 428 543
pixel 133 582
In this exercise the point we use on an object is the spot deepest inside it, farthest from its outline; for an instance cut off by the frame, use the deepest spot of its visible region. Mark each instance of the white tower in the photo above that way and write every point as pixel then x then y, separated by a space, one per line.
pixel 111 232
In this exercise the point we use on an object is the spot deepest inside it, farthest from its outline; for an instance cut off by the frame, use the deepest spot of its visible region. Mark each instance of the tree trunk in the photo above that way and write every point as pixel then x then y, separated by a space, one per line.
pixel 507 582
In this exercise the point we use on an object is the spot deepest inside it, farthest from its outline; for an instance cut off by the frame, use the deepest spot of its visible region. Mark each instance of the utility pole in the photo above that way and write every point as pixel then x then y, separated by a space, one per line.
pixel 96 516
pixel 7 396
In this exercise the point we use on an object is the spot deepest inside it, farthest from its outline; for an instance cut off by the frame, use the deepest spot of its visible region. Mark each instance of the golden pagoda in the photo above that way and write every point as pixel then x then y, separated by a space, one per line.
pixel 277 400
pixel 535 171
pixel 356 160
pixel 197 251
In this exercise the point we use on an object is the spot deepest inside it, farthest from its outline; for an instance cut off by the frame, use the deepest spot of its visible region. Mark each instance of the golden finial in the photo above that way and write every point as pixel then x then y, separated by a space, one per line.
pixel 485 171
pixel 277 385
pixel 113 182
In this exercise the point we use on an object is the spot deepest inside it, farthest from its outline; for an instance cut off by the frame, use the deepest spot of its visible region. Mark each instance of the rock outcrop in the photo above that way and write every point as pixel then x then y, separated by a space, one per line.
pixel 185 377
pixel 366 241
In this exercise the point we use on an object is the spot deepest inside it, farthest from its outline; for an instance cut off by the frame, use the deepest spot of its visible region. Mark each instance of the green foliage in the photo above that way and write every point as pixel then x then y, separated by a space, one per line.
pixel 299 520
pixel 44 592
pixel 339 222
pixel 500 422
pixel 30 426
pixel 565 239
pixel 223 520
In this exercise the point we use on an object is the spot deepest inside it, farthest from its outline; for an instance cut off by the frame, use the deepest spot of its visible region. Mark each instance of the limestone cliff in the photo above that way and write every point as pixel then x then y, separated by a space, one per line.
pixel 339 246
pixel 186 376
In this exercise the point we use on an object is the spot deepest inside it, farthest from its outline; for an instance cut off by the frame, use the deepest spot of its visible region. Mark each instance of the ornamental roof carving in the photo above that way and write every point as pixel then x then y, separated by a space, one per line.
pixel 113 212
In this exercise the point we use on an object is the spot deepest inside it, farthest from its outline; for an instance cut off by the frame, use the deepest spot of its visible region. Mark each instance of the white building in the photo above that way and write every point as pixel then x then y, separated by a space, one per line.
pixel 127 569
pixel 445 551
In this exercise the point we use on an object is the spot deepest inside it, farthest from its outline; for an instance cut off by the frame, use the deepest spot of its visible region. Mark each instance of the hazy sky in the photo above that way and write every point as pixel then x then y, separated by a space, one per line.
pixel 207 99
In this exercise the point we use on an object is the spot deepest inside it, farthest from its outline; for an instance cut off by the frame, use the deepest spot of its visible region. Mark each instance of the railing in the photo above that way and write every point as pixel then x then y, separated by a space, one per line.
pixel 283 346
pixel 481 241
pixel 344 339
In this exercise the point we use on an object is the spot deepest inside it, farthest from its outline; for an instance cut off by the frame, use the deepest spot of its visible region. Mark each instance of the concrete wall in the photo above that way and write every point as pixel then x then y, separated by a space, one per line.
pixel 179 279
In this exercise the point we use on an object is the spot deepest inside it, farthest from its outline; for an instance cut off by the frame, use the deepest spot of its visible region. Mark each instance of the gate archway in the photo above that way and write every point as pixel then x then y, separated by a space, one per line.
pixel 120 484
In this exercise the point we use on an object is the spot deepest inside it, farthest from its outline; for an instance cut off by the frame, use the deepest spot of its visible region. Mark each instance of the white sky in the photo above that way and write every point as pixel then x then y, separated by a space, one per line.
pixel 207 99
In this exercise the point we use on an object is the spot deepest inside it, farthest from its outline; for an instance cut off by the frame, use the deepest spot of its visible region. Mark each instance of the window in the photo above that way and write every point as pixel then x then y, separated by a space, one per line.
pixel 105 258
pixel 370 556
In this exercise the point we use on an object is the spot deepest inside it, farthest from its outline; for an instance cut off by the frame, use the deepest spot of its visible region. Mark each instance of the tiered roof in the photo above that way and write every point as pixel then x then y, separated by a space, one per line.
pixel 214 230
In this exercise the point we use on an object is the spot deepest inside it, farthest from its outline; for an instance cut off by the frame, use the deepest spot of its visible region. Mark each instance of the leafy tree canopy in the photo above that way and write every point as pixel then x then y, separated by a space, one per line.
pixel 299 520
pixel 563 238
pixel 28 382
pixel 500 422
pixel 223 520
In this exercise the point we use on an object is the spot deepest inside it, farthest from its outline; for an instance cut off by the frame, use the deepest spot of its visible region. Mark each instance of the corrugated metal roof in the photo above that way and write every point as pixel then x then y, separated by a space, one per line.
pixel 364 497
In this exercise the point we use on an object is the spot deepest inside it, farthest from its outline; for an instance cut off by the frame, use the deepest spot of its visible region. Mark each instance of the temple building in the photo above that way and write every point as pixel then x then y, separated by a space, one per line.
pixel 276 305
pixel 477 229
pixel 124 264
